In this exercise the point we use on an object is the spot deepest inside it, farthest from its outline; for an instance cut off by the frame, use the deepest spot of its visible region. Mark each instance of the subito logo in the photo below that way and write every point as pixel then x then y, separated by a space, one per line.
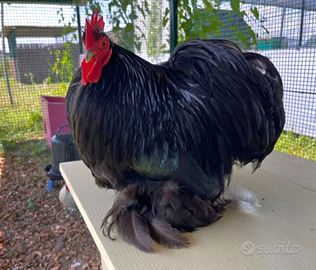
pixel 247 248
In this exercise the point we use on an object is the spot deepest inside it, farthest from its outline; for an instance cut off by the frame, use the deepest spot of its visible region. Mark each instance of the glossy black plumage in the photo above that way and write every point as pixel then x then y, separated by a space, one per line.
pixel 166 136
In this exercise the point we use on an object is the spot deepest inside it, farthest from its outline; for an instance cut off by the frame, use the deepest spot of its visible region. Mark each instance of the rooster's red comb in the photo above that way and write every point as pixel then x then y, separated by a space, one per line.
pixel 93 28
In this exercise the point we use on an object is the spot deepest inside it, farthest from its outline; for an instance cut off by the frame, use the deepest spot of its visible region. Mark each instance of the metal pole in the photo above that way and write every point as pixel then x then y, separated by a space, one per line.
pixel 173 5
pixel 4 57
pixel 132 22
pixel 17 71
pixel 79 30
pixel 302 24
pixel 282 22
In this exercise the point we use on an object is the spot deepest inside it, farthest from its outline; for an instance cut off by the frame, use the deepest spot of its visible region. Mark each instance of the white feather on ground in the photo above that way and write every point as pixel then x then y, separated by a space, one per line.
pixel 241 199
pixel 66 198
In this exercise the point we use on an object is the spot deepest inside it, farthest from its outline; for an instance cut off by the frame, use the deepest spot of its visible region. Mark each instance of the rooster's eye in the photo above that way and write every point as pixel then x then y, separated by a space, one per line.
pixel 104 43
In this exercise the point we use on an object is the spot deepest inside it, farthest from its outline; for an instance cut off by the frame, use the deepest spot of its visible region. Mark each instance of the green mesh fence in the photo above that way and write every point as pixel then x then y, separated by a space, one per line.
pixel 42 50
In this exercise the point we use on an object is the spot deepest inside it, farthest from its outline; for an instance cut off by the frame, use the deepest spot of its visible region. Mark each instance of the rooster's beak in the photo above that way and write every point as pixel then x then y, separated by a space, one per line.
pixel 89 56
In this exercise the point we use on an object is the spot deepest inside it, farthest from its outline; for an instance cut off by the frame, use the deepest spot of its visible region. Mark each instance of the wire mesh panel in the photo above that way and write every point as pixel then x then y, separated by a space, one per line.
pixel 285 33
pixel 42 50
pixel 37 61
pixel 290 45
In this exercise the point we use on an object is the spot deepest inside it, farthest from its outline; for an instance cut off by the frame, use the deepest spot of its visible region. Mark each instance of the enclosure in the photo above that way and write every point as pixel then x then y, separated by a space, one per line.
pixel 41 48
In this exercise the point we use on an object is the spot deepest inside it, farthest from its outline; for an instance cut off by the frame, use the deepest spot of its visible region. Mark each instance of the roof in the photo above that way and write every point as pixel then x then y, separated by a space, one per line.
pixel 65 2
pixel 36 31
pixel 309 5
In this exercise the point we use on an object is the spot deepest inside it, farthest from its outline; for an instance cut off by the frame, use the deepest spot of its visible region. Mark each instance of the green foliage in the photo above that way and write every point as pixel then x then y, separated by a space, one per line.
pixel 30 77
pixel 196 19
pixel 93 6
pixel 192 19
pixel 235 5
pixel 130 18
pixel 63 68
pixel 255 12
pixel 30 203
pixel 124 12
pixel 154 45
pixel 35 120
pixel 202 19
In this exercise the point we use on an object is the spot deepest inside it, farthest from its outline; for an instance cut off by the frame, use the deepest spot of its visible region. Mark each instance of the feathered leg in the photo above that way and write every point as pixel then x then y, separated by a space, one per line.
pixel 131 221
pixel 159 212
pixel 184 210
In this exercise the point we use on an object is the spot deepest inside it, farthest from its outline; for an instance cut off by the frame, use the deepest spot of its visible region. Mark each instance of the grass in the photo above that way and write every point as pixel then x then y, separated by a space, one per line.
pixel 26 152
pixel 23 121
pixel 297 145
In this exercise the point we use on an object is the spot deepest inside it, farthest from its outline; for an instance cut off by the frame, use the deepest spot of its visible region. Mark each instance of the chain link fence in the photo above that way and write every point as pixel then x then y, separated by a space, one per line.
pixel 41 48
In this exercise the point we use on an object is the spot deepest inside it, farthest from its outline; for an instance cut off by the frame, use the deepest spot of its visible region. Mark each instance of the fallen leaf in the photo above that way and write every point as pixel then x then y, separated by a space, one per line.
pixel 37 253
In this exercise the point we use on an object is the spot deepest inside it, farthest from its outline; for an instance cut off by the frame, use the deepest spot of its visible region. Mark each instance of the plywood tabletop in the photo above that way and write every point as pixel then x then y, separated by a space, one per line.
pixel 282 235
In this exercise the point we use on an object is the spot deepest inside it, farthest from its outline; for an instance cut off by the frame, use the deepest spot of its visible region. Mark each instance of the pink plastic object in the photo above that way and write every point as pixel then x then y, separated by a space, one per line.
pixel 54 115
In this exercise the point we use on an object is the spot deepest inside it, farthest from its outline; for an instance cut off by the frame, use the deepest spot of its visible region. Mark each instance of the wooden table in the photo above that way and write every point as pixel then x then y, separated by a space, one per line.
pixel 282 235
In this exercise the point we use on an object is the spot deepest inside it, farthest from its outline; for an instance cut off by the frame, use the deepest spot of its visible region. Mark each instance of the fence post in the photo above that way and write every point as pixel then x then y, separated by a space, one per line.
pixel 12 49
pixel 302 23
pixel 79 30
pixel 4 57
pixel 282 23
pixel 173 9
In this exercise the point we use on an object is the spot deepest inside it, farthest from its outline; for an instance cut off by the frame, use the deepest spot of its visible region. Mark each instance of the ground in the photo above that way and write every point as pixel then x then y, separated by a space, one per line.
pixel 36 230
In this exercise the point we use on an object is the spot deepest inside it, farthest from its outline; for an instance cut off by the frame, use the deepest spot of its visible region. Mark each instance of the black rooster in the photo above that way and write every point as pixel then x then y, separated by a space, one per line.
pixel 166 136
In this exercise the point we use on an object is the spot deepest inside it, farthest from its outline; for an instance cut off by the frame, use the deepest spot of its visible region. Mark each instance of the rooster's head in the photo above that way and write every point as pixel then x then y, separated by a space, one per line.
pixel 99 50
